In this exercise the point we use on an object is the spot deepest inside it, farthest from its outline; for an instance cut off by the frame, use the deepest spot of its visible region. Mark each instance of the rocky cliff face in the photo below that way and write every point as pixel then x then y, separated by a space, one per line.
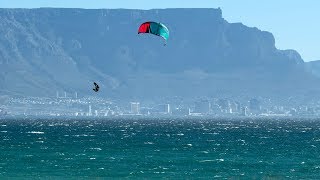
pixel 47 50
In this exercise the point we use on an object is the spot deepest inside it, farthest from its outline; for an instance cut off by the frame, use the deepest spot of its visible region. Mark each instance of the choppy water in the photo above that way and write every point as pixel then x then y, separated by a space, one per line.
pixel 165 148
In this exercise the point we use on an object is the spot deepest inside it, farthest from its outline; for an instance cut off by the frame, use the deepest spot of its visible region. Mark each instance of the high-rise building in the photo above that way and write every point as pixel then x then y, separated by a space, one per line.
pixel 237 106
pixel 244 111
pixel 255 106
pixel 163 108
pixel 202 106
pixel 135 107
pixel 224 105
pixel 90 111
pixel 215 109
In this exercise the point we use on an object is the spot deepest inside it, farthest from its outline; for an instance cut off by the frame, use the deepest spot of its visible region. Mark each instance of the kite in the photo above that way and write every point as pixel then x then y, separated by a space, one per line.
pixel 155 28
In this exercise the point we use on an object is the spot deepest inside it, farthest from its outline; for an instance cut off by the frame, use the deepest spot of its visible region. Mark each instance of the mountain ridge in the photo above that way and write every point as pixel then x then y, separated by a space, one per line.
pixel 46 50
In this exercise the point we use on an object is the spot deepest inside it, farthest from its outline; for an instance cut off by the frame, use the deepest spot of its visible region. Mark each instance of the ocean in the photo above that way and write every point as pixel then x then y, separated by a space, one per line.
pixel 142 148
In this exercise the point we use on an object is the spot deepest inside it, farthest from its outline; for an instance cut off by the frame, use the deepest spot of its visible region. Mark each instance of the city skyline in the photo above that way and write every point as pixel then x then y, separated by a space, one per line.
pixel 72 106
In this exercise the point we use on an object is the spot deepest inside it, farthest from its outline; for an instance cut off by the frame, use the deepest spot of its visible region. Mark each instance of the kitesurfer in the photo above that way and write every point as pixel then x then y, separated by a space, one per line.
pixel 96 87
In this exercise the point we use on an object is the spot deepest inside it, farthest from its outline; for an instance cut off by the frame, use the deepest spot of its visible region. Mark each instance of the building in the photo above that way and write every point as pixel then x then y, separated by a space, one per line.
pixel 145 110
pixel 215 109
pixel 255 106
pixel 202 106
pixel 90 111
pixel 3 112
pixel 181 111
pixel 224 105
pixel 237 106
pixel 162 109
pixel 244 111
pixel 135 108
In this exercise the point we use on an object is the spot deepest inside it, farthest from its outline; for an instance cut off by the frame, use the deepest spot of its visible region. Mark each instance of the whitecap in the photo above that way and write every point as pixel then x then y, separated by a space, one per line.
pixel 81 135
pixel 209 160
pixel 4 131
pixel 148 143
pixel 35 132
pixel 264 137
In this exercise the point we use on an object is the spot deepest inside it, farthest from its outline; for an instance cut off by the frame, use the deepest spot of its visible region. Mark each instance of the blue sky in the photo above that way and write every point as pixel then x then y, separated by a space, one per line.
pixel 294 23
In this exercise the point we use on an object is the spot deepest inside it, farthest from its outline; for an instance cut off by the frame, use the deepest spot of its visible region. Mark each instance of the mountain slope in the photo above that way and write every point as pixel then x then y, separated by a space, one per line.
pixel 47 50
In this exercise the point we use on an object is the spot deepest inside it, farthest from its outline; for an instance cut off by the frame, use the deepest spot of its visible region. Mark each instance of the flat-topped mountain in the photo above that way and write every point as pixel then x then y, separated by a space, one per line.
pixel 47 50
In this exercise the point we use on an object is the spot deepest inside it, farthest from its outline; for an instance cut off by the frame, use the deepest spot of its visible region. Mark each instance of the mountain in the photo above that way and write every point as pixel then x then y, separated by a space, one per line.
pixel 47 50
